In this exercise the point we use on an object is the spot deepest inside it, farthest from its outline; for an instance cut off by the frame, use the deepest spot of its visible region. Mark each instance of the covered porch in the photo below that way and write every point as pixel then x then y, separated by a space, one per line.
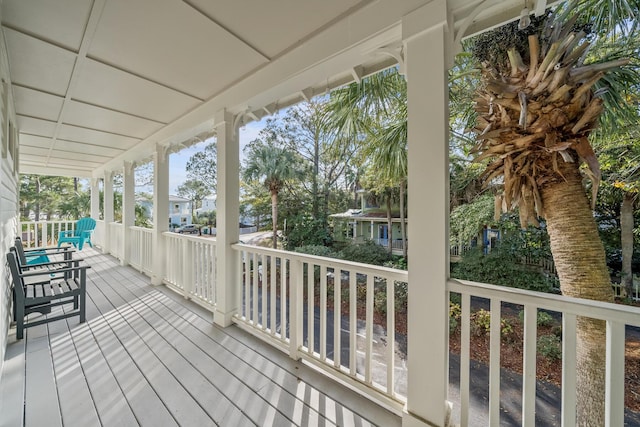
pixel 92 88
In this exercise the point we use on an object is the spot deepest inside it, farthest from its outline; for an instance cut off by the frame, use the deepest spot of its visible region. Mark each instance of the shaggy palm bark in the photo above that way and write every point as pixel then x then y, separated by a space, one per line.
pixel 533 125
pixel 626 237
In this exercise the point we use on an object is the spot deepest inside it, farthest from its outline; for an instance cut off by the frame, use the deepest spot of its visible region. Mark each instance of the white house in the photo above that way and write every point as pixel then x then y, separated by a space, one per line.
pixel 179 211
pixel 208 205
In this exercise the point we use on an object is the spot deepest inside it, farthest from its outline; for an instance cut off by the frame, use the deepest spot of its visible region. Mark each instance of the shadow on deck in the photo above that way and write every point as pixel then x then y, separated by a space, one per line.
pixel 146 356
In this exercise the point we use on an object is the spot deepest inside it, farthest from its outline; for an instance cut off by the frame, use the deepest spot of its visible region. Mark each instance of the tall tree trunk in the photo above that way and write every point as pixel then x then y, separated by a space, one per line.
pixel 626 241
pixel 36 208
pixel 580 261
pixel 403 224
pixel 389 226
pixel 274 217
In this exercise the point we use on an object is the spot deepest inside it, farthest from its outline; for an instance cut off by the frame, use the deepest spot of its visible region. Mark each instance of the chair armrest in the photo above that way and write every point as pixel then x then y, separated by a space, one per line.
pixel 48 251
pixel 65 233
pixel 87 233
pixel 51 263
pixel 48 272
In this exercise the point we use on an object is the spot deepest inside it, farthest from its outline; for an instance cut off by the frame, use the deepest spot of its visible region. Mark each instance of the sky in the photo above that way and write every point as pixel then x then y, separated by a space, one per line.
pixel 178 161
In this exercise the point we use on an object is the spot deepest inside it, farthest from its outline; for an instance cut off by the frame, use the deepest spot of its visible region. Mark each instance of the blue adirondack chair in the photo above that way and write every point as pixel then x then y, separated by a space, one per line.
pixel 80 235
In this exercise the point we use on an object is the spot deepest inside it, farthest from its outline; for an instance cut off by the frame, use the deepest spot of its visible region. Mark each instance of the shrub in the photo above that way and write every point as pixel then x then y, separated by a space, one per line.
pixel 543 318
pixel 455 312
pixel 304 230
pixel 380 298
pixel 367 253
pixel 481 324
pixel 317 250
pixel 550 346
pixel 499 267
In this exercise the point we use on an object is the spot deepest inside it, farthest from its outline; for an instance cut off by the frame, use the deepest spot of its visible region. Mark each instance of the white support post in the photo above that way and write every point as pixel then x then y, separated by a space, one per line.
pixel 95 198
pixel 108 210
pixel 128 210
pixel 228 195
pixel 160 211
pixel 425 37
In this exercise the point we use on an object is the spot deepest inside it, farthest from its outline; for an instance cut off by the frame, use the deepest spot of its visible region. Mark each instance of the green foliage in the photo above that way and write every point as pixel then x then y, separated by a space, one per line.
pixel 499 268
pixel 201 167
pixel 481 324
pixel 455 311
pixel 399 300
pixel 397 262
pixel 317 250
pixel 303 230
pixel 367 253
pixel 467 220
pixel 542 319
pixel 550 346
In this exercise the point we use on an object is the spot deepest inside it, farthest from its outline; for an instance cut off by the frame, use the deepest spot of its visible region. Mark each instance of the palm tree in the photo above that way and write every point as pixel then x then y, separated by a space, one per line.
pixel 536 111
pixel 374 112
pixel 273 166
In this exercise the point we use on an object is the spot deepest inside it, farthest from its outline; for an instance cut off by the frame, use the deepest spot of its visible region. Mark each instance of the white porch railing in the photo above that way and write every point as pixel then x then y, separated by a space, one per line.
pixel 43 233
pixel 98 235
pixel 116 239
pixel 617 317
pixel 190 263
pixel 309 306
pixel 342 316
pixel 395 244
pixel 141 253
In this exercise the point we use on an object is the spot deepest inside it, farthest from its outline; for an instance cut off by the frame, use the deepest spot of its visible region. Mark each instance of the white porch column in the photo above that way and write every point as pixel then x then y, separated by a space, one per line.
pixel 160 211
pixel 424 32
pixel 108 210
pixel 228 205
pixel 128 210
pixel 95 198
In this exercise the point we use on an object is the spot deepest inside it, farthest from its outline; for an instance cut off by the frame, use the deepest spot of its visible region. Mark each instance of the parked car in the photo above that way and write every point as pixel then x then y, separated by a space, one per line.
pixel 191 229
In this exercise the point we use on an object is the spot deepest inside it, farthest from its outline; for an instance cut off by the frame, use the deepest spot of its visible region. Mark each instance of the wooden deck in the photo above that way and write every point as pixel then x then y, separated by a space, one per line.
pixel 148 357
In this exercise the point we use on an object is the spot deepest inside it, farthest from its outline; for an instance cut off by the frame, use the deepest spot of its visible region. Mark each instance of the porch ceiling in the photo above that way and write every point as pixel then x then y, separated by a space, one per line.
pixel 97 82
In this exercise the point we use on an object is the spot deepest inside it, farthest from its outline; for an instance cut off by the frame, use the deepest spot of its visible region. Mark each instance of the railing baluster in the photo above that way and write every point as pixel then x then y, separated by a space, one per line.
pixel 311 278
pixel 369 329
pixel 283 296
pixel 391 335
pixel 262 279
pixel 246 257
pixel 323 312
pixel 494 364
pixel 614 383
pixel 529 367
pixel 272 294
pixel 254 289
pixel 295 308
pixel 337 316
pixel 568 370
pixel 353 337
pixel 465 341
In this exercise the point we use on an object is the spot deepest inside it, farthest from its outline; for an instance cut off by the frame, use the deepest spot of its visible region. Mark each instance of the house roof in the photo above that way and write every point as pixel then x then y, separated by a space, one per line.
pixel 99 82
pixel 178 199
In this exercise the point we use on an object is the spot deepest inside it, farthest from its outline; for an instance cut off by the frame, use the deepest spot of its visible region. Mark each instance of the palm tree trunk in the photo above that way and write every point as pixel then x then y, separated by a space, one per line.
pixel 403 224
pixel 580 261
pixel 274 217
pixel 626 241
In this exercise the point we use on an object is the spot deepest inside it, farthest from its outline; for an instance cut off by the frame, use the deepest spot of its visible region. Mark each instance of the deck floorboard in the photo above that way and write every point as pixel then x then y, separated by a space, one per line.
pixel 146 356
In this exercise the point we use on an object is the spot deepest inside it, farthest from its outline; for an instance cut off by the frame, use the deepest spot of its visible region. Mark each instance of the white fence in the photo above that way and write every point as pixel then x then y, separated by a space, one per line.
pixel 616 317
pixel 141 253
pixel 190 263
pixel 342 317
pixel 98 235
pixel 43 233
pixel 116 239
pixel 309 306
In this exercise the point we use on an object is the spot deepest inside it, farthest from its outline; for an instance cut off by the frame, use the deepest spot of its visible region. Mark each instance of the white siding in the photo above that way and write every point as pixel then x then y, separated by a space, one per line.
pixel 8 192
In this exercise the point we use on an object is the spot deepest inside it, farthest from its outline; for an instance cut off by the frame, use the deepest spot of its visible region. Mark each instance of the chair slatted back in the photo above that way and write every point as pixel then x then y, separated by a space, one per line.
pixel 84 224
